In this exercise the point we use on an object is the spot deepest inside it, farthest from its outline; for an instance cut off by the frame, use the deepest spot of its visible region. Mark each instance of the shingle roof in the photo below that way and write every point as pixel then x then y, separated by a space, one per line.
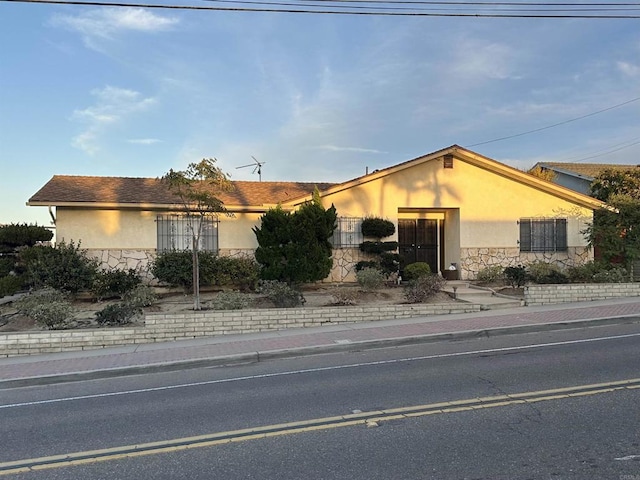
pixel 590 170
pixel 63 189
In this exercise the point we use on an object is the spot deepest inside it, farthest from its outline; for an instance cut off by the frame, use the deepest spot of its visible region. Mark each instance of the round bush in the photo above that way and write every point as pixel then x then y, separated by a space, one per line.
pixel 370 278
pixel 377 227
pixel 416 270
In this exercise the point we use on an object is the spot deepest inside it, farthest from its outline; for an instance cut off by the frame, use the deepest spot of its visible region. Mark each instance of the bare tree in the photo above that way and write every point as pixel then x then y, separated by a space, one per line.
pixel 197 188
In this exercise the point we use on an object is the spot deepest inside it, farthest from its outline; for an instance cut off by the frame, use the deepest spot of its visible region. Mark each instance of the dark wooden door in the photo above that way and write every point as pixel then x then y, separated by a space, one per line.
pixel 418 241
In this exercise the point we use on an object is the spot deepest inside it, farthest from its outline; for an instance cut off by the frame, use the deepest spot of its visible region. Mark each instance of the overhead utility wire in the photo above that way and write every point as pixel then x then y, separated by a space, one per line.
pixel 390 5
pixel 325 12
pixel 556 124
pixel 612 149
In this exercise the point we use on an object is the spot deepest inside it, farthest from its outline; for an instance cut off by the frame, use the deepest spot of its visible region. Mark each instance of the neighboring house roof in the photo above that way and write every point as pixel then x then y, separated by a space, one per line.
pixel 588 171
pixel 126 191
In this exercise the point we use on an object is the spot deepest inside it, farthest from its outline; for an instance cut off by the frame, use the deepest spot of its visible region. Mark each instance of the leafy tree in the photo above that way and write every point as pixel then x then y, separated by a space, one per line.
pixel 616 230
pixel 616 182
pixel 543 174
pixel 295 247
pixel 197 188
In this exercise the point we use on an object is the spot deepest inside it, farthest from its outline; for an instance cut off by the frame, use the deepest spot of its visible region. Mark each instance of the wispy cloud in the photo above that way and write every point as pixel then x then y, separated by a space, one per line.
pixel 629 69
pixel 112 105
pixel 105 23
pixel 484 60
pixel 335 148
pixel 144 141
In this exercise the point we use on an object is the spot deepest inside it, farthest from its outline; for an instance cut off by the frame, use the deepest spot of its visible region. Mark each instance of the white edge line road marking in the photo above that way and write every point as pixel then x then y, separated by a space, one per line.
pixel 313 370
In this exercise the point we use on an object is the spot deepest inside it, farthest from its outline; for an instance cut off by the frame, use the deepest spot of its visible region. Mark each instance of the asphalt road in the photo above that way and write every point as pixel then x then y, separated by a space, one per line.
pixel 518 430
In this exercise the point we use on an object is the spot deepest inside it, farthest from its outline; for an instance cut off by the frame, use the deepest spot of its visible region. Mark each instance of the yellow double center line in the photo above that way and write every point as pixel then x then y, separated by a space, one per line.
pixel 363 418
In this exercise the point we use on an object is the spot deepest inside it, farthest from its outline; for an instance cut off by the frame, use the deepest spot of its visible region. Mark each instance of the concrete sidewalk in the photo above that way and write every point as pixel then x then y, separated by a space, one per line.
pixel 234 349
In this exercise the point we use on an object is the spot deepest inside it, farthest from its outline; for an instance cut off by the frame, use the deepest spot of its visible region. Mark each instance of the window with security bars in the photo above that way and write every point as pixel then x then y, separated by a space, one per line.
pixel 175 233
pixel 348 232
pixel 543 234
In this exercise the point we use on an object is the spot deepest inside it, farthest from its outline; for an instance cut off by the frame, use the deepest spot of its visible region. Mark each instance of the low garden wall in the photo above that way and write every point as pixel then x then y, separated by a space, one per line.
pixel 171 326
pixel 550 294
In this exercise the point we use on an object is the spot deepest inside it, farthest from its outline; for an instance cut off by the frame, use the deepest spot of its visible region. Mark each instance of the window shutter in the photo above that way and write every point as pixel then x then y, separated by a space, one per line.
pixel 525 235
pixel 561 235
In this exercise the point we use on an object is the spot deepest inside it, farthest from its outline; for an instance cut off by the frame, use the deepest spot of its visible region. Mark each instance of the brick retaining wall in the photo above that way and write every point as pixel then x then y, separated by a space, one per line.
pixel 171 326
pixel 551 294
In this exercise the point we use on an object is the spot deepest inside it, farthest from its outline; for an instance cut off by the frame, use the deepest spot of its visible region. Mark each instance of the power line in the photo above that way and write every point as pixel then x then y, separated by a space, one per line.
pixel 555 124
pixel 371 11
pixel 602 153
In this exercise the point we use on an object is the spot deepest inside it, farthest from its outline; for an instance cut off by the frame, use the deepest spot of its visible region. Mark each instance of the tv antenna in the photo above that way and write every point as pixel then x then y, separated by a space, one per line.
pixel 257 167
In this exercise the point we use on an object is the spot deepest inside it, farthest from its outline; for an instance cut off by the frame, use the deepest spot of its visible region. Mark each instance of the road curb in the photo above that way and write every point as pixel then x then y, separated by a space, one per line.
pixel 259 356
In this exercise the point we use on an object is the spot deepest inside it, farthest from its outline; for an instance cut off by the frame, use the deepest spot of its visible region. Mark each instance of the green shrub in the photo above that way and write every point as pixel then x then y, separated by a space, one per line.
pixel 238 272
pixel 370 278
pixel 377 227
pixel 140 296
pixel 597 272
pixel 413 271
pixel 18 235
pixel 64 267
pixel 583 273
pixel 611 275
pixel 281 293
pixel 389 262
pixel 367 264
pixel 7 262
pixel 176 268
pixel 344 296
pixel 516 276
pixel 10 285
pixel 114 283
pixel 229 301
pixel 48 307
pixel 423 288
pixel 376 248
pixel 493 273
pixel 538 271
pixel 117 314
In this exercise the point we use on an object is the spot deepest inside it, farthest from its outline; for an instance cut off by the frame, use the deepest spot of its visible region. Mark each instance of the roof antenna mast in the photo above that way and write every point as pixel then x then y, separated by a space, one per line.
pixel 257 167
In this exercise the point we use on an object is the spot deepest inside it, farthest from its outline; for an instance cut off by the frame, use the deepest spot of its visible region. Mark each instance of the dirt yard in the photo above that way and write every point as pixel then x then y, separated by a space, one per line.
pixel 177 301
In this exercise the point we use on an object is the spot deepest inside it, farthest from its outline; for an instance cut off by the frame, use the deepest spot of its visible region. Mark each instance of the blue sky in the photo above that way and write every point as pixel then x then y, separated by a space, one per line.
pixel 133 92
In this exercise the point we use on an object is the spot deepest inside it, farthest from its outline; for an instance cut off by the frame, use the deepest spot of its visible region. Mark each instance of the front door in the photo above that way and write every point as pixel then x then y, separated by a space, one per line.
pixel 421 240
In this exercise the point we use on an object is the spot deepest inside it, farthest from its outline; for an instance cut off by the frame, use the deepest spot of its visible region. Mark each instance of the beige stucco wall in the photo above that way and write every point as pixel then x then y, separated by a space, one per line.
pixel 489 205
pixel 134 229
pixel 104 229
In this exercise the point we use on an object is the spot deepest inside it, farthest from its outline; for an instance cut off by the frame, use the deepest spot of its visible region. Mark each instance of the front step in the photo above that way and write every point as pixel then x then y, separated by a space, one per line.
pixel 485 297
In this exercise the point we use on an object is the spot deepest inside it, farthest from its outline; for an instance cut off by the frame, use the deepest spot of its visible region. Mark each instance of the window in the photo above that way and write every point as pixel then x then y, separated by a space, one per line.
pixel 348 233
pixel 543 234
pixel 174 232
